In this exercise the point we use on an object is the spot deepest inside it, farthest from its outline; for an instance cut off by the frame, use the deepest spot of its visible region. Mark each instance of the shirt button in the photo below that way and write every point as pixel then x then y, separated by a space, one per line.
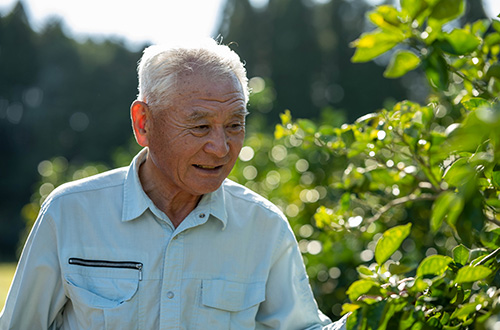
pixel 202 215
pixel 170 295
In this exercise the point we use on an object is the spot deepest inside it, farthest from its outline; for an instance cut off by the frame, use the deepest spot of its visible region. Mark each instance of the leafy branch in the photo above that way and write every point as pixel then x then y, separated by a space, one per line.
pixel 399 201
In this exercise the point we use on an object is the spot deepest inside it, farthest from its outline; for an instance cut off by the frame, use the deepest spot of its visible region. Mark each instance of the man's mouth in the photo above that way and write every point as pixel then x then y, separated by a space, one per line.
pixel 207 167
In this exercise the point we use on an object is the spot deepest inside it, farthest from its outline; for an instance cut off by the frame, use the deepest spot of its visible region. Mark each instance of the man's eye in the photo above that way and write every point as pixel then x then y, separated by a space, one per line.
pixel 200 129
pixel 236 126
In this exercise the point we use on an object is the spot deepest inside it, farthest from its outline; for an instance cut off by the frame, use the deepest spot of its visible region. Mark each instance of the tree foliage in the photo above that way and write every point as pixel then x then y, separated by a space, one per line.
pixel 58 97
pixel 303 48
pixel 425 173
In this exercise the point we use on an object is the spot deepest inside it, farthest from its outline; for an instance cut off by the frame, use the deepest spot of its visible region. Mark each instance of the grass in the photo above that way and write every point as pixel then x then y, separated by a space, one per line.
pixel 6 273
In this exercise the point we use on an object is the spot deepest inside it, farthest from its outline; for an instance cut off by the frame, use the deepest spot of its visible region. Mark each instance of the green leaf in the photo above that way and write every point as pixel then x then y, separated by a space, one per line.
pixel 433 322
pixel 459 42
pixel 324 217
pixel 389 14
pixel 494 203
pixel 455 207
pixel 279 131
pixel 348 137
pixel 464 311
pixel 359 288
pixel 494 69
pixel 347 308
pixel 458 173
pixel 461 254
pixel 407 319
pixel 433 265
pixel 373 44
pixel 420 285
pixel 374 314
pixel 492 40
pixel 413 7
pixel 286 118
pixel 491 239
pixel 345 201
pixel 307 125
pixel 475 103
pixel 436 70
pixel 398 268
pixel 496 24
pixel 458 295
pixel 472 274
pixel 326 130
pixel 480 27
pixel 363 270
pixel 476 255
pixel 495 179
pixel 447 10
pixel 390 242
pixel 401 63
pixel 354 321
pixel 448 205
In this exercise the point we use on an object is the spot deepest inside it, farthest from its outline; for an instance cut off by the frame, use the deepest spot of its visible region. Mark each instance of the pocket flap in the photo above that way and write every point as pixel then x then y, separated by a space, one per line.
pixel 232 296
pixel 101 292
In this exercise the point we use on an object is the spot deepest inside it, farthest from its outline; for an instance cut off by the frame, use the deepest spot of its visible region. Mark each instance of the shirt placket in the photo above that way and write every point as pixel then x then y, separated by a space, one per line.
pixel 171 287
pixel 173 265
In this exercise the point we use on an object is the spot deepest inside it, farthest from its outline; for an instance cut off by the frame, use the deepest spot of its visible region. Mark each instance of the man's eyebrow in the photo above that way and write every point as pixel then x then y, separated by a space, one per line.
pixel 241 113
pixel 197 115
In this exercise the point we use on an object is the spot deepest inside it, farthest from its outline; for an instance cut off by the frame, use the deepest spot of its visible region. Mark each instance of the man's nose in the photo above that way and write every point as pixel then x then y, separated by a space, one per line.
pixel 218 143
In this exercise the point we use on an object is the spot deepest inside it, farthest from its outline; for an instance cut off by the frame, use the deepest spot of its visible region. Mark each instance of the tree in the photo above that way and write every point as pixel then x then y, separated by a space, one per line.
pixel 424 176
pixel 58 98
pixel 302 47
pixel 19 65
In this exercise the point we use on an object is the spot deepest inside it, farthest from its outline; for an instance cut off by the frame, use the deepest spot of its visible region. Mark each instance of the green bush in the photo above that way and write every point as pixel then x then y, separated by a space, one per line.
pixel 419 187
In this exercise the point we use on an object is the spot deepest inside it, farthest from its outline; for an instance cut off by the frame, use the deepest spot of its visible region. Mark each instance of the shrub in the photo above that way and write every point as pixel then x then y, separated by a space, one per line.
pixel 421 183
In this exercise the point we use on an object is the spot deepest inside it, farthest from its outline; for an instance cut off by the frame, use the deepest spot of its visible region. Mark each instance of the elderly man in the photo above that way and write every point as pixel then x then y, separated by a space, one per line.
pixel 168 242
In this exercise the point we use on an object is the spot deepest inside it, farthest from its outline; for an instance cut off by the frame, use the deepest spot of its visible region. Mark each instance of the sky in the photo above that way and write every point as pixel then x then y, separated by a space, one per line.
pixel 154 21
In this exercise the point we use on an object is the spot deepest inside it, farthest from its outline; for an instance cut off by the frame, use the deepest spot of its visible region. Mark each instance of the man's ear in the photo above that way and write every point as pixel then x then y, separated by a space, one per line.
pixel 139 113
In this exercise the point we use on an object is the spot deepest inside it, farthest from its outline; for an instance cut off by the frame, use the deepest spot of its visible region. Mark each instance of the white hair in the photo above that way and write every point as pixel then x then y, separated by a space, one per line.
pixel 160 65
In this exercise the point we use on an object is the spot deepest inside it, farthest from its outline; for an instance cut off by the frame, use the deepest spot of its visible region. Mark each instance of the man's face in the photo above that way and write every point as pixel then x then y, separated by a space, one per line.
pixel 195 142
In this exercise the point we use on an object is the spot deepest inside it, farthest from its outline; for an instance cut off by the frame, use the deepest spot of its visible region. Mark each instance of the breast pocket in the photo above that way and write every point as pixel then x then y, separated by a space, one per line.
pixel 230 305
pixel 103 293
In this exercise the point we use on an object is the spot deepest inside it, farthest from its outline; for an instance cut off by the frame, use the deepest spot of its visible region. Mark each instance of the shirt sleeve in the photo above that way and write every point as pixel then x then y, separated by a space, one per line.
pixel 36 296
pixel 289 302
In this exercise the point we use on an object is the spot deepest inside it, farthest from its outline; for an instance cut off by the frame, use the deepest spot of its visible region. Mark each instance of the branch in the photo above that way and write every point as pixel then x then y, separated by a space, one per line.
pixel 477 84
pixel 426 169
pixel 488 257
pixel 493 220
pixel 398 201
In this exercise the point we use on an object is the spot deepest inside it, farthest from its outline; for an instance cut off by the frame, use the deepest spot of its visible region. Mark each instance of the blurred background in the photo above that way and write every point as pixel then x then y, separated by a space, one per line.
pixel 68 77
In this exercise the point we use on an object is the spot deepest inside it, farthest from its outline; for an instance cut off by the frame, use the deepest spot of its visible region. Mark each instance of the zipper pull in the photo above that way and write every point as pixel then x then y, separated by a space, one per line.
pixel 139 268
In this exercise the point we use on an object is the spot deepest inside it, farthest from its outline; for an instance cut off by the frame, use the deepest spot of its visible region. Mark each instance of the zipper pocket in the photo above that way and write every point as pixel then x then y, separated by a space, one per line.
pixel 108 264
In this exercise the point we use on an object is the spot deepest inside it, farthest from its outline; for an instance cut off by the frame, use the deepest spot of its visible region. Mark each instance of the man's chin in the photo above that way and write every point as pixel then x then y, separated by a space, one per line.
pixel 203 187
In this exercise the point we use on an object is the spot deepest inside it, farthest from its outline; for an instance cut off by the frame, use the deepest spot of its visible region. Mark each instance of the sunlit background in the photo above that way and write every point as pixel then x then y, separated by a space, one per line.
pixel 147 21
pixel 67 78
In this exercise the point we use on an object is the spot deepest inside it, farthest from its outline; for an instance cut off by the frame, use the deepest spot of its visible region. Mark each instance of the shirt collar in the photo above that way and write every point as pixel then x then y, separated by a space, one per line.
pixel 136 202
pixel 215 204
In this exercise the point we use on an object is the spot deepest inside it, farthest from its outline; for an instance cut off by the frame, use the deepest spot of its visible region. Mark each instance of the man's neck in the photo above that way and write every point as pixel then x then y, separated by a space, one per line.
pixel 175 204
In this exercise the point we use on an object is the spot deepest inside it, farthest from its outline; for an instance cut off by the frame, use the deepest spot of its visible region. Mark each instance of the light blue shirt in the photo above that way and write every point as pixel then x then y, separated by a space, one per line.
pixel 101 255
